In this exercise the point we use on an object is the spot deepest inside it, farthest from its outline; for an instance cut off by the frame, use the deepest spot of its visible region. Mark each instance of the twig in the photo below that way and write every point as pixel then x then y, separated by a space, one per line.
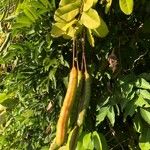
pixel 136 60
pixel 119 144
pixel 140 57
pixel 114 134
pixel 73 52
pixel 83 50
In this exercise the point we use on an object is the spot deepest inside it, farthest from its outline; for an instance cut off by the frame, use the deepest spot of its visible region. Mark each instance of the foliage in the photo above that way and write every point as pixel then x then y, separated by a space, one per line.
pixel 35 57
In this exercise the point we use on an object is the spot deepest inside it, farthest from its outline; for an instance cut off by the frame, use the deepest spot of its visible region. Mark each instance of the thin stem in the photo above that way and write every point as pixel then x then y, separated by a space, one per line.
pixel 77 55
pixel 82 62
pixel 83 50
pixel 73 53
pixel 114 134
pixel 119 144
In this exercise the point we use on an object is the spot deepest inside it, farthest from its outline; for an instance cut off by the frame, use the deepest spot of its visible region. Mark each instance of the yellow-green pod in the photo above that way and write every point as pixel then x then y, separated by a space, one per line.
pixel 53 145
pixel 61 129
pixel 72 138
pixel 84 99
pixel 74 111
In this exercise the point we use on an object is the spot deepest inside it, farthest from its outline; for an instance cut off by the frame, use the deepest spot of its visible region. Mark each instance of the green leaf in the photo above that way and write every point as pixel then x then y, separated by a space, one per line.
pixel 137 122
pixel 130 109
pixel 3 97
pixel 57 29
pixel 145 76
pixel 145 113
pixel 2 108
pixel 70 33
pixel 87 4
pixel 111 115
pixel 126 6
pixel 103 141
pixel 87 144
pixel 90 37
pixel 144 141
pixel 67 12
pixel 6 96
pixel 60 28
pixel 102 30
pixel 80 143
pixel 27 113
pixel 141 102
pixel 97 141
pixel 28 14
pixel 65 2
pixel 142 83
pixel 46 3
pixel 45 148
pixel 145 94
pixel 126 89
pixel 101 114
pixel 22 21
pixel 90 19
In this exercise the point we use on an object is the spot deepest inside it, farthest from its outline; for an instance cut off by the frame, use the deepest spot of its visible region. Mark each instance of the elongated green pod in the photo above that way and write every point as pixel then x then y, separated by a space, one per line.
pixel 62 123
pixel 84 99
pixel 72 138
pixel 74 112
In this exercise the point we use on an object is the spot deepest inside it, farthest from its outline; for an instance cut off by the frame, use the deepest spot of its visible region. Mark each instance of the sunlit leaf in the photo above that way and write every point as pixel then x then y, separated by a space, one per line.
pixel 111 115
pixel 140 101
pixel 46 3
pixel 102 30
pixel 5 96
pixel 142 83
pixel 126 6
pixel 144 141
pixel 57 29
pixel 145 113
pixel 87 144
pixel 137 123
pixel 22 21
pixel 29 15
pixel 102 114
pixel 90 37
pixel 145 94
pixel 61 28
pixel 97 141
pixel 67 12
pixel 87 4
pixel 65 2
pixel 90 19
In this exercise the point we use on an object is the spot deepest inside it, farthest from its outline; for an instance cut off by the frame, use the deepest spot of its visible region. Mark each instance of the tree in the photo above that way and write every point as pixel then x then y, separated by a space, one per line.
pixel 36 57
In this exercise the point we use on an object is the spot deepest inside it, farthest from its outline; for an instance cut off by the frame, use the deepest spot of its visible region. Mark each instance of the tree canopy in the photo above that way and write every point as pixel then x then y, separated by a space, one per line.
pixel 36 44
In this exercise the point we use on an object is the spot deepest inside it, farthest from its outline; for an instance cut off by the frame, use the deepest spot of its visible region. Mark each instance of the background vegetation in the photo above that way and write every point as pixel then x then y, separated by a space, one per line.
pixel 34 68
